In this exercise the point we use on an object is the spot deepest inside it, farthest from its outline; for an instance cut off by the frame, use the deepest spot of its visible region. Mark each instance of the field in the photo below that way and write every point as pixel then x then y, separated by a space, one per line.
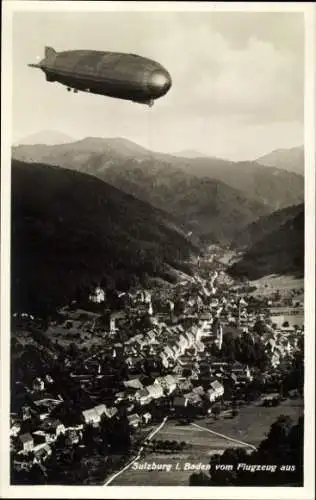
pixel 269 284
pixel 253 422
pixel 250 426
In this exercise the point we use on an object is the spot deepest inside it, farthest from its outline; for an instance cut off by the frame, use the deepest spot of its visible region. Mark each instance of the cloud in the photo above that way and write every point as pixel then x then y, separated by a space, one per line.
pixel 258 80
pixel 232 73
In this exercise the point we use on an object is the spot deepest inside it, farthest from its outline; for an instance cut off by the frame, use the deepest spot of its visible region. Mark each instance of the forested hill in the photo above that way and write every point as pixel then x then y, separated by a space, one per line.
pixel 71 230
pixel 278 246
pixel 214 198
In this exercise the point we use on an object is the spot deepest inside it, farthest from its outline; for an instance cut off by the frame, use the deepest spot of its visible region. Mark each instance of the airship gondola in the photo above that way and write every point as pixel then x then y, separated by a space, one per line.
pixel 113 74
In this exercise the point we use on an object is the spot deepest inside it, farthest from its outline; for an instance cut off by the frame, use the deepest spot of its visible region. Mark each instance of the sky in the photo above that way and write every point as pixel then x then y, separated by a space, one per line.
pixel 238 79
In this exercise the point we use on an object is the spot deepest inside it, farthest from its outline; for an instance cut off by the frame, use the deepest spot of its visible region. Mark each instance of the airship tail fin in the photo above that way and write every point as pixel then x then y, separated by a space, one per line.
pixel 50 54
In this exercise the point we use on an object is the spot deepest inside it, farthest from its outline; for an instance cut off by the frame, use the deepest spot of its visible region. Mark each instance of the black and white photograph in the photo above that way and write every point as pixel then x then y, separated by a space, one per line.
pixel 157 260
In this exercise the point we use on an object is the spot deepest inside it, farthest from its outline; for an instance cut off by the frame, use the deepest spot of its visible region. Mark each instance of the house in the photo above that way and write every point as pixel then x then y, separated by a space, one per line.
pixel 194 374
pixel 114 318
pixel 143 397
pixel 134 383
pixel 200 346
pixel 73 437
pixel 52 429
pixel 129 394
pixel 164 359
pixel 25 412
pixel 98 296
pixel 183 342
pixel 129 361
pixel 147 297
pixel 241 376
pixel 40 438
pixel 15 429
pixel 27 442
pixel 184 360
pixel 275 359
pixel 171 383
pixel 191 338
pixel 134 420
pixel 58 427
pixel 22 464
pixel 93 415
pixel 38 384
pixel 168 383
pixel 49 379
pixel 217 387
pixel 119 396
pixel 248 375
pixel 176 350
pixel 185 385
pixel 193 399
pixel 155 391
pixel 147 417
pixel 111 412
pixel 168 351
pixel 269 399
pixel 211 395
pixel 198 390
pixel 180 402
pixel 237 368
pixel 151 336
pixel 42 454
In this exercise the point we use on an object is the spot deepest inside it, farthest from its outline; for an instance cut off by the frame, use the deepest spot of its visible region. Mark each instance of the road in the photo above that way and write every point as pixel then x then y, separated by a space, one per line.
pixel 126 467
pixel 224 436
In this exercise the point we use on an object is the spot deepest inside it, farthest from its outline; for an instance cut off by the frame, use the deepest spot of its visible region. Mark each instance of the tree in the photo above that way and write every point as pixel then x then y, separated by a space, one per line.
pixel 278 433
pixel 199 479
pixel 260 327
pixel 283 448
pixel 231 457
pixel 119 434
pixel 216 411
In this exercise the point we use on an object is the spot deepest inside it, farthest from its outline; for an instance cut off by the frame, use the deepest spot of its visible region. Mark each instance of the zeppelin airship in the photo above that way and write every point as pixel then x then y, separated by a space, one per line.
pixel 114 74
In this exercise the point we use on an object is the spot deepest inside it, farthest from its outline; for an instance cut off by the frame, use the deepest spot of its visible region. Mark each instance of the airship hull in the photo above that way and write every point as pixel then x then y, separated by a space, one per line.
pixel 124 76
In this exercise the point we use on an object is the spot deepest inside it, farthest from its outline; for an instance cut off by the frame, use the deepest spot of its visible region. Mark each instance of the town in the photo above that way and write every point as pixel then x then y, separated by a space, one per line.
pixel 93 384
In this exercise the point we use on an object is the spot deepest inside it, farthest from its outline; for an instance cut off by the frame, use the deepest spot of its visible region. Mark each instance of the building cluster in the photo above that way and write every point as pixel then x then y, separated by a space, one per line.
pixel 281 343
pixel 164 341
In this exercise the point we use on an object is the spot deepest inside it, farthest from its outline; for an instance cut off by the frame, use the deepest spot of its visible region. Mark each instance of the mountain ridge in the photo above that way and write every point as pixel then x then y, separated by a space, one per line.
pixel 291 159
pixel 277 245
pixel 270 186
pixel 70 231
pixel 165 181
pixel 190 153
pixel 46 137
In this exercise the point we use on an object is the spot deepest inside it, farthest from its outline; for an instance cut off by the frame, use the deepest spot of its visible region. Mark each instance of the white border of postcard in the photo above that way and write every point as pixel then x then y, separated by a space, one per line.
pixel 306 492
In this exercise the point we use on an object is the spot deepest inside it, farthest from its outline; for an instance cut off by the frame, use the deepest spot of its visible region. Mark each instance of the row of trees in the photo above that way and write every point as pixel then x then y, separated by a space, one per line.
pixel 161 445
pixel 242 348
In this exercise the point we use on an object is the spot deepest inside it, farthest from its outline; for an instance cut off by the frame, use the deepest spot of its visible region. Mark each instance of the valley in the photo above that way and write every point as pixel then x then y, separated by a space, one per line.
pixel 151 318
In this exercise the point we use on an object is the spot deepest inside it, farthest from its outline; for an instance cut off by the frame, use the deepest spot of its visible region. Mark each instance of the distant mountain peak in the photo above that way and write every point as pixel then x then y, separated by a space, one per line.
pixel 46 137
pixel 274 245
pixel 164 180
pixel 291 159
pixel 119 144
pixel 189 153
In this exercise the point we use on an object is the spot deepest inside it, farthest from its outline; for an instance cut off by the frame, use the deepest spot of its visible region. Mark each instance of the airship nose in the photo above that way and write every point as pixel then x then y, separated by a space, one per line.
pixel 159 83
